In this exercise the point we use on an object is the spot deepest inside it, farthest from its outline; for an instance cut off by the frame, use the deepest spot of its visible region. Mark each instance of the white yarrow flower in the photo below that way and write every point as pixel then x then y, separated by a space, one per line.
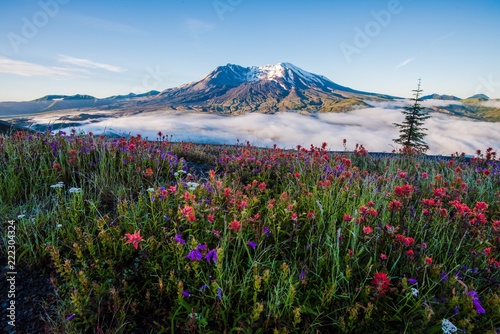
pixel 75 190
pixel 21 216
pixel 58 225
pixel 57 185
pixel 448 327
pixel 180 171
pixel 192 185
pixel 414 292
pixel 150 190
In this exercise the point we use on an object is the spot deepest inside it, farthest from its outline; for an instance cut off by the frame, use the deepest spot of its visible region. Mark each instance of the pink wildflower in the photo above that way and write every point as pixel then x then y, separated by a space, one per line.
pixel 134 239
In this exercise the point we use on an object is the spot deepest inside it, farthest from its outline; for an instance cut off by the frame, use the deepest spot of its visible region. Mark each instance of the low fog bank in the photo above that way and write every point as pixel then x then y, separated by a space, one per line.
pixel 398 104
pixel 491 103
pixel 372 127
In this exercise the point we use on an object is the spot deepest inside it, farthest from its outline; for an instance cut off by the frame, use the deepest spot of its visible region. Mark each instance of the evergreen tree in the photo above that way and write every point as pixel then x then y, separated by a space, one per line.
pixel 411 132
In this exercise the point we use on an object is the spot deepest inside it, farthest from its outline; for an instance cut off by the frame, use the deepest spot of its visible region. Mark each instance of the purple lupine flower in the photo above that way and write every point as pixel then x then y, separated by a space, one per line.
pixel 412 280
pixel 219 294
pixel 185 293
pixel 201 247
pixel 178 238
pixel 194 255
pixel 211 256
pixel 302 275
pixel 266 231
pixel 70 317
pixel 477 303
pixel 455 310
pixel 252 244
pixel 444 276
pixel 204 287
pixel 207 186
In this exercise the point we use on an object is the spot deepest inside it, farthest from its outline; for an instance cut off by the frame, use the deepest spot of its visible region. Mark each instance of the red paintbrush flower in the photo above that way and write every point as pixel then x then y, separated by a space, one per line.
pixel 381 283
pixel 395 205
pixel 134 239
pixel 235 226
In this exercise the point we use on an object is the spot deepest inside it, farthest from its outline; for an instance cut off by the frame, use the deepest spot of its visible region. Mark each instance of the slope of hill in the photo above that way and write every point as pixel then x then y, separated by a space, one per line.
pixel 440 97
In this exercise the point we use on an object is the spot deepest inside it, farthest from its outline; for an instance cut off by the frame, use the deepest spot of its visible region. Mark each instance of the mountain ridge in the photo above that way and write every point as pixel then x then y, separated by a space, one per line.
pixel 233 89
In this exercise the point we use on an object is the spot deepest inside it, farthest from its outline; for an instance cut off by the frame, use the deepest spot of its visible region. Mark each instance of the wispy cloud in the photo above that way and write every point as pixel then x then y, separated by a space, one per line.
pixel 26 69
pixel 405 62
pixel 89 64
pixel 443 37
pixel 197 27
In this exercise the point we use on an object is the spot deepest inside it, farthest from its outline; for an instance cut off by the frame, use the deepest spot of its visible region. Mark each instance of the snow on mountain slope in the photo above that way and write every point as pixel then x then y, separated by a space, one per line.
pixel 282 72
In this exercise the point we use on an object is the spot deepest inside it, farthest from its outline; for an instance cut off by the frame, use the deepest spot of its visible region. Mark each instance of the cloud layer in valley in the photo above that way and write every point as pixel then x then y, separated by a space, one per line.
pixel 491 103
pixel 372 127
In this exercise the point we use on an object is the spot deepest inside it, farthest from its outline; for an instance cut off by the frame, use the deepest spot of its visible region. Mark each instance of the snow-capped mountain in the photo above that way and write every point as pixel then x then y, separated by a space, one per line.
pixel 285 72
pixel 232 74
pixel 236 89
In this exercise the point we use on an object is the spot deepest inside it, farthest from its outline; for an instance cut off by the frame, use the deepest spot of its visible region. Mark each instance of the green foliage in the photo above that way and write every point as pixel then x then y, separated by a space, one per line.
pixel 411 131
pixel 159 237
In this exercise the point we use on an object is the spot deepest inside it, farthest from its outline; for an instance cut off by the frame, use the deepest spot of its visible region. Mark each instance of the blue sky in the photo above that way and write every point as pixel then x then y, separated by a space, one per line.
pixel 105 48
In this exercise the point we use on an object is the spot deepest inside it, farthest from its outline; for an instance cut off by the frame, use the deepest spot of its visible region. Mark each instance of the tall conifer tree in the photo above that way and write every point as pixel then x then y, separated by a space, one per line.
pixel 411 130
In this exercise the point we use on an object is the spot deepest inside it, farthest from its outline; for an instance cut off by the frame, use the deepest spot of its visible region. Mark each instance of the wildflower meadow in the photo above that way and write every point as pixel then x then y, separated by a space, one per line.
pixel 143 235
